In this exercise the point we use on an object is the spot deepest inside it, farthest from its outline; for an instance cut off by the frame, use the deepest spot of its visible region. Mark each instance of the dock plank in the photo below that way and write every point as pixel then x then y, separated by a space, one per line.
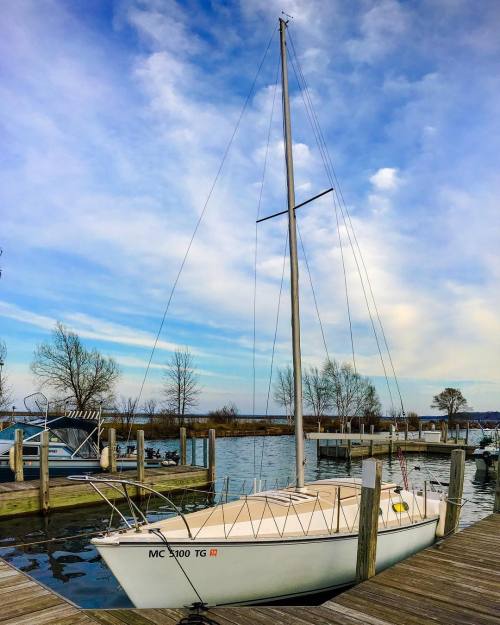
pixel 25 601
pixel 20 498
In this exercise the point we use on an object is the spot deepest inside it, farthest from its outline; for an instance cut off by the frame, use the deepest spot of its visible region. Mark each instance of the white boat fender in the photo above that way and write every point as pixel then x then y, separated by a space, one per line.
pixel 442 517
pixel 168 463
pixel 12 463
pixel 104 459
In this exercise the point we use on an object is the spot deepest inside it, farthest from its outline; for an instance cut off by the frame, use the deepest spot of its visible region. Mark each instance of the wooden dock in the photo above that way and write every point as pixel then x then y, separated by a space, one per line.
pixel 19 498
pixel 364 450
pixel 27 602
pixel 454 582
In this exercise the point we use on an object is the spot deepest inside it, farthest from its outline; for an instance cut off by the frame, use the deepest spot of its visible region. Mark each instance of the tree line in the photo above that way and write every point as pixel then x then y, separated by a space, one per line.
pixel 84 379
pixel 335 387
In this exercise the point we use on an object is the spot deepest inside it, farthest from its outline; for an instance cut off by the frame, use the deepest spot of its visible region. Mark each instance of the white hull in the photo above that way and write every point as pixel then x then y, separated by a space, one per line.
pixel 251 571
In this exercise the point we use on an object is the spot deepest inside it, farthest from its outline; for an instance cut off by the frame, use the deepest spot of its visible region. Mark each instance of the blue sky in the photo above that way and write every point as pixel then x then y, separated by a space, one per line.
pixel 114 118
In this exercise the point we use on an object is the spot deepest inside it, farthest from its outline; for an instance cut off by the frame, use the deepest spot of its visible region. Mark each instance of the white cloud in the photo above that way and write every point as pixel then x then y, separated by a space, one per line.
pixel 386 179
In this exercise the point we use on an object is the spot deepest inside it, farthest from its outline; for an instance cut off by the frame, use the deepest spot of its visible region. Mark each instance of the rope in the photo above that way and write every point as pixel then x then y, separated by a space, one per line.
pixel 51 540
pixel 162 537
pixel 259 203
pixel 200 218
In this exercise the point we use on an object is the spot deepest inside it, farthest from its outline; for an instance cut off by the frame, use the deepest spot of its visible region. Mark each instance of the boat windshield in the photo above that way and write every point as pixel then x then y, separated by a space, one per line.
pixel 9 433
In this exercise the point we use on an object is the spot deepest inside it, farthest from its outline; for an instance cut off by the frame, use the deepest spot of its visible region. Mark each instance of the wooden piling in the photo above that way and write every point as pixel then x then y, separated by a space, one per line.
pixel 205 452
pixel 182 439
pixel 368 519
pixel 391 441
pixel 457 433
pixel 455 491
pixel 18 456
pixel 467 433
pixel 112 450
pixel 445 432
pixel 362 429
pixel 406 431
pixel 44 473
pixel 211 455
pixel 193 450
pixel 349 442
pixel 496 506
pixel 372 431
pixel 420 430
pixel 140 459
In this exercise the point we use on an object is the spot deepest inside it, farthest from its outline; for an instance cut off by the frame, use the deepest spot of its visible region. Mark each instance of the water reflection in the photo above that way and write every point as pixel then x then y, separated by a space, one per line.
pixel 73 568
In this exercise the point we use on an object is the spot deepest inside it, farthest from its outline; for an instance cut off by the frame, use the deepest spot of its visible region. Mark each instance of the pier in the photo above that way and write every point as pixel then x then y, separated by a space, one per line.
pixel 456 581
pixel 19 498
pixel 346 446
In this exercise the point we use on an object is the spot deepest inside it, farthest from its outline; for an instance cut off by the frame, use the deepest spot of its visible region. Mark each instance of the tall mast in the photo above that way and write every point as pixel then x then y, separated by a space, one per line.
pixel 294 266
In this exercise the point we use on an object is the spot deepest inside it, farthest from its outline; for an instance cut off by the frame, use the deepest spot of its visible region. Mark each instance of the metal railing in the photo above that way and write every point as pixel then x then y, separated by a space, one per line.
pixel 332 515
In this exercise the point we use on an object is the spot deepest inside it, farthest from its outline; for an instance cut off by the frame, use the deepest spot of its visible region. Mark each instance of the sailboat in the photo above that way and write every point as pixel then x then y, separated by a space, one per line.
pixel 273 544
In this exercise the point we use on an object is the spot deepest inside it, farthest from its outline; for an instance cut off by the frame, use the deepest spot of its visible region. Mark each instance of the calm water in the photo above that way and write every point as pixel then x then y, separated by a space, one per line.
pixel 73 568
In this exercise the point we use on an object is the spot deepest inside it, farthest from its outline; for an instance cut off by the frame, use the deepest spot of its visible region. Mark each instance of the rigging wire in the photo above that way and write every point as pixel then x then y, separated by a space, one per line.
pixel 347 220
pixel 200 219
pixel 259 203
pixel 313 293
pixel 274 347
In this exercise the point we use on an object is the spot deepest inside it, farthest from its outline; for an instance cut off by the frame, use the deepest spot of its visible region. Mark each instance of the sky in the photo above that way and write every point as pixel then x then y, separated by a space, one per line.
pixel 114 120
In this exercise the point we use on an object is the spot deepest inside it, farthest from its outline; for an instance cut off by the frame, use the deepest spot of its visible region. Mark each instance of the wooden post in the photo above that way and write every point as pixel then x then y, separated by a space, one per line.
pixel 362 429
pixel 467 433
pixel 182 439
pixel 318 441
pixel 205 452
pixel 391 441
pixel 496 507
pixel 140 459
pixel 420 430
pixel 368 519
pixel 372 431
pixel 457 431
pixel 445 433
pixel 349 442
pixel 455 491
pixel 18 456
pixel 211 456
pixel 193 450
pixel 112 450
pixel 44 473
pixel 406 431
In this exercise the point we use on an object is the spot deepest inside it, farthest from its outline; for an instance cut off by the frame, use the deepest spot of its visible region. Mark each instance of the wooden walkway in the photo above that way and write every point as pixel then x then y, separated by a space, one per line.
pixel 18 498
pixel 382 449
pixel 455 582
pixel 26 602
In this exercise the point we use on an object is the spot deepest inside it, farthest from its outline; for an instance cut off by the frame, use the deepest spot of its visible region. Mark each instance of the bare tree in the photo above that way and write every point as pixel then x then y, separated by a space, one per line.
pixel 317 394
pixel 351 393
pixel 127 409
pixel 69 368
pixel 283 391
pixel 5 389
pixel 150 407
pixel 181 388
pixel 452 401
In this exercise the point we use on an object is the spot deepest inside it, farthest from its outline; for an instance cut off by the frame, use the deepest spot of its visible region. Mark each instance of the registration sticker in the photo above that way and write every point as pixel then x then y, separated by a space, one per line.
pixel 213 553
